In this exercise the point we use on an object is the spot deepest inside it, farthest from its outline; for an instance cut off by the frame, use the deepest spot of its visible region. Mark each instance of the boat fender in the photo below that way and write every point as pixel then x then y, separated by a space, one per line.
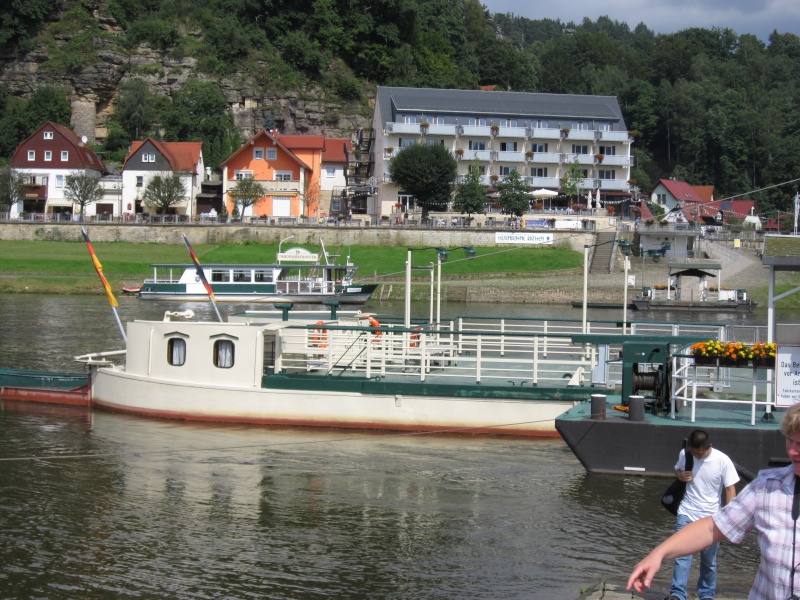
pixel 320 336
pixel 415 337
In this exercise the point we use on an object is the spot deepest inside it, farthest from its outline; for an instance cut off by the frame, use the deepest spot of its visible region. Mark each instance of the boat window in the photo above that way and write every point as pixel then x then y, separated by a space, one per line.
pixel 220 276
pixel 223 354
pixel 241 276
pixel 176 352
pixel 263 276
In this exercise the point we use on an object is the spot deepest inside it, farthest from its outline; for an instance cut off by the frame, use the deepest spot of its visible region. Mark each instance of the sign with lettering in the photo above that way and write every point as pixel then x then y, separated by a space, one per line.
pixel 787 375
pixel 523 238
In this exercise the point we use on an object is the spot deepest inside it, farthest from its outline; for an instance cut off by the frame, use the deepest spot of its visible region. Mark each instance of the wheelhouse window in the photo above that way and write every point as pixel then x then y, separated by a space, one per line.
pixel 241 276
pixel 176 351
pixel 223 354
pixel 263 276
pixel 220 276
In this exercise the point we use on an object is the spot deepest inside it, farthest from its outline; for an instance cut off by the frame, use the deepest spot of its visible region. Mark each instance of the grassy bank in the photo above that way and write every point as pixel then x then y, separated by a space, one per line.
pixel 66 268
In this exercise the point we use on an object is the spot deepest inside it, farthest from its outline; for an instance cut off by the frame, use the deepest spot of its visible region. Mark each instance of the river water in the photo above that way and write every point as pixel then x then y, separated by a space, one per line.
pixel 108 506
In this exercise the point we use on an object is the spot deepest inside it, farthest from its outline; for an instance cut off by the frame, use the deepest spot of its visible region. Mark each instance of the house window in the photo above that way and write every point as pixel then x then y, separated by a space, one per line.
pixel 223 354
pixel 59 181
pixel 507 170
pixel 148 157
pixel 661 199
pixel 434 142
pixel 272 153
pixel 139 181
pixel 242 174
pixel 476 145
pixel 604 126
pixel 406 200
pixel 584 173
pixel 406 142
pixel 48 135
pixel 538 147
pixel 478 122
pixel 508 123
pixel 330 172
pixel 607 150
pixel 410 119
pixel 542 124
pixel 283 175
pixel 48 155
pixel 31 155
pixel 538 171
pixel 436 120
pixel 607 174
pixel 578 149
pixel 508 146
pixel 64 155
pixel 258 153
pixel 579 125
pixel 176 352
pixel 478 168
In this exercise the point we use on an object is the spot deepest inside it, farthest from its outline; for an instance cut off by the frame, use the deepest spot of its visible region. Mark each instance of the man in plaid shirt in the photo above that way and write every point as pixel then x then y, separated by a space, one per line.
pixel 766 505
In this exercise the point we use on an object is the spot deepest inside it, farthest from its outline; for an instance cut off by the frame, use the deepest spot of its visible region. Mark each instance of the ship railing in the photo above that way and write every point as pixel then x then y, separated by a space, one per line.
pixel 509 358
pixel 304 286
pixel 738 385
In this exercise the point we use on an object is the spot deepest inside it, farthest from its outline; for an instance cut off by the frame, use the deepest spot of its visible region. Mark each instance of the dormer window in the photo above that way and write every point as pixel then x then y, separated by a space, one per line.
pixel 148 157
pixel 48 135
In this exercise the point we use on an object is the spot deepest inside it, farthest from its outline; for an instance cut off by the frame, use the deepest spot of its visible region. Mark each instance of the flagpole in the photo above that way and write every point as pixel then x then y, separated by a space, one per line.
pixel 202 276
pixel 109 294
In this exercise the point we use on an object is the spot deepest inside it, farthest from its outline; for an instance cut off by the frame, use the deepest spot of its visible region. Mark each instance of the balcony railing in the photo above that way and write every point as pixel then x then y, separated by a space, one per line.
pixel 583 159
pixel 546 157
pixel 481 155
pixel 582 134
pixel 617 185
pixel 617 161
pixel 434 129
pixel 404 127
pixel 476 130
pixel 614 136
pixel 512 132
pixel 511 156
pixel 543 182
pixel 281 186
pixel 546 134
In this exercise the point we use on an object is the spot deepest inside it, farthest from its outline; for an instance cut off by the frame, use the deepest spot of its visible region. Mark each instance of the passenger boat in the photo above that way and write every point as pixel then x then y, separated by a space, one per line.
pixel 470 375
pixel 298 276
pixel 644 437
pixel 671 296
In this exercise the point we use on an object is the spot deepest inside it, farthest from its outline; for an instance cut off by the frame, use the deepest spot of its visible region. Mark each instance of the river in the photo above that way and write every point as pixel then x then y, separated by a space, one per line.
pixel 108 506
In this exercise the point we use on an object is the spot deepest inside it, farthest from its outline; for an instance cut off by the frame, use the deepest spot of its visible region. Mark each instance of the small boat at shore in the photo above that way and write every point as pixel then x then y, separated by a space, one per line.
pixel 298 276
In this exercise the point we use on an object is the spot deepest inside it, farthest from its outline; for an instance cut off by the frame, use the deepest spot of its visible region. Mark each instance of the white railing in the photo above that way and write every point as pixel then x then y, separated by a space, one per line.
pixel 546 134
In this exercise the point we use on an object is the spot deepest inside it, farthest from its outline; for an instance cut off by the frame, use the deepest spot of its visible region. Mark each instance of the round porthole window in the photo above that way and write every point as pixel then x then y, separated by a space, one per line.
pixel 197 278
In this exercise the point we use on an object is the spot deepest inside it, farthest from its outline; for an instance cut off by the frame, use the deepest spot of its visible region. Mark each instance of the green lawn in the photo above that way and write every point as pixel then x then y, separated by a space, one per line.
pixel 65 267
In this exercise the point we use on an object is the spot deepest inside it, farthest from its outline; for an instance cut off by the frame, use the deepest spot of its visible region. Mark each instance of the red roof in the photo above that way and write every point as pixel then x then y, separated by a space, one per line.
pixel 84 156
pixel 278 142
pixel 183 157
pixel 334 150
pixel 301 142
pixel 680 190
pixel 706 192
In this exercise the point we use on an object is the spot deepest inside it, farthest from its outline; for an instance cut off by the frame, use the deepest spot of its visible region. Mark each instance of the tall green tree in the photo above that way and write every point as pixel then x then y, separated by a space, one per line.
pixel 471 194
pixel 513 194
pixel 572 179
pixel 163 191
pixel 134 110
pixel 83 190
pixel 11 190
pixel 428 173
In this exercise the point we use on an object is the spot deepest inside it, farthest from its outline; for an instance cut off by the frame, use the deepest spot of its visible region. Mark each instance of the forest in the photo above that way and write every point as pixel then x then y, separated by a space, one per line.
pixel 707 106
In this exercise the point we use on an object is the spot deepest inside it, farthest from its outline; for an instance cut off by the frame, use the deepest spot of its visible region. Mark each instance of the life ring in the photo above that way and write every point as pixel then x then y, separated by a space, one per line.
pixel 373 322
pixel 320 336
pixel 415 337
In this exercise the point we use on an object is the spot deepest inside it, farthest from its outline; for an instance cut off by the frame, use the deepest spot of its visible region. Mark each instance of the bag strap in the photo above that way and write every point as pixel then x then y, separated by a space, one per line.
pixel 688 459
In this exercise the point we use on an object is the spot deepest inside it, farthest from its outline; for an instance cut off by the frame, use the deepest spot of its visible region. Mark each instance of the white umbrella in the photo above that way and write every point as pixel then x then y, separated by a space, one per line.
pixel 543 193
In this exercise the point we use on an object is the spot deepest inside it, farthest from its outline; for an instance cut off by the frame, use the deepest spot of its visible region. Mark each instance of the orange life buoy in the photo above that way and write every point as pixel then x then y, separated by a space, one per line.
pixel 415 337
pixel 320 336
pixel 373 322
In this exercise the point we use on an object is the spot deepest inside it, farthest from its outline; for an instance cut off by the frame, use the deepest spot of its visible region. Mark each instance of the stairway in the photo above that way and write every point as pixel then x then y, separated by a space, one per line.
pixel 603 252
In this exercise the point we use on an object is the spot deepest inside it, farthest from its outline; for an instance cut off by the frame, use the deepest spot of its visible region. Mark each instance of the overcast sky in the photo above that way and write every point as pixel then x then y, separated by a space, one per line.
pixel 759 17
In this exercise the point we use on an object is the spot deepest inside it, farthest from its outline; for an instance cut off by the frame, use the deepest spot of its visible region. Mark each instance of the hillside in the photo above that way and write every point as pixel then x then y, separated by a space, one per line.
pixel 708 106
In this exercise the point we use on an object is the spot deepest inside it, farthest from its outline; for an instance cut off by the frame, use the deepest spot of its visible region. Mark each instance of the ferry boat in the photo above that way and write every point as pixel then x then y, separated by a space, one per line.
pixel 360 371
pixel 298 276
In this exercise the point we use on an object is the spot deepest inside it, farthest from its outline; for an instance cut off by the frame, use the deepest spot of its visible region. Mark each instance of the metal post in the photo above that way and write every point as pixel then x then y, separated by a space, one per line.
pixel 585 284
pixel 430 319
pixel 438 290
pixel 407 319
pixel 625 297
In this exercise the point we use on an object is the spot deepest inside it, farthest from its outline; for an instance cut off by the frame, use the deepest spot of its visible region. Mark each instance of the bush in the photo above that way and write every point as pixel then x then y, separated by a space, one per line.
pixel 157 33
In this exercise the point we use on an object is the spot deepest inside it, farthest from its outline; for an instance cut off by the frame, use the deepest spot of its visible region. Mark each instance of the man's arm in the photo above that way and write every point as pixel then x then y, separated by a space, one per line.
pixel 730 493
pixel 694 537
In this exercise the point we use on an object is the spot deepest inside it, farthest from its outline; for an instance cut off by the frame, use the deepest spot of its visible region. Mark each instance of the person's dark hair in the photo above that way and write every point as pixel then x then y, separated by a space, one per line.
pixel 699 439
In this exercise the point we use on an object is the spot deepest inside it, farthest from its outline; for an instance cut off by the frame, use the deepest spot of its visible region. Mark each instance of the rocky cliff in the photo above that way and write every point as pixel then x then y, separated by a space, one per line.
pixel 93 81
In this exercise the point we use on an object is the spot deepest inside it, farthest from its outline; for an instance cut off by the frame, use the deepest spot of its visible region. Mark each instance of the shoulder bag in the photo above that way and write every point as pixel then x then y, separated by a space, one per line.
pixel 673 496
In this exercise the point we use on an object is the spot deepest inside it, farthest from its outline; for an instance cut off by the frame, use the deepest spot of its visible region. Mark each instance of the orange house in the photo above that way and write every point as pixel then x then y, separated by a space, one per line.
pixel 288 167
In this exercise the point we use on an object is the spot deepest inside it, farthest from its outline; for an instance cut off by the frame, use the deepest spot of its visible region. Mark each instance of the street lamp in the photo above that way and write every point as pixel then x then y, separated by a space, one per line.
pixel 291 237
pixel 626 248
pixel 441 257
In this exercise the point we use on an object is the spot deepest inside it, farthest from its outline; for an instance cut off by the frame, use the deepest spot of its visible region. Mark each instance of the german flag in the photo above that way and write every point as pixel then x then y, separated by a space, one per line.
pixel 199 269
pixel 99 268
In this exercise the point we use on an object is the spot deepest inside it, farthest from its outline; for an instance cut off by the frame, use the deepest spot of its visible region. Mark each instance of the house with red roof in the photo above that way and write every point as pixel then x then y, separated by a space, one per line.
pixel 299 173
pixel 44 160
pixel 152 157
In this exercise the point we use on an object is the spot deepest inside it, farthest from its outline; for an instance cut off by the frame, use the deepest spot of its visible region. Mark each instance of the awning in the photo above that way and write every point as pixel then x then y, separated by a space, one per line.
pixel 59 202
pixel 693 273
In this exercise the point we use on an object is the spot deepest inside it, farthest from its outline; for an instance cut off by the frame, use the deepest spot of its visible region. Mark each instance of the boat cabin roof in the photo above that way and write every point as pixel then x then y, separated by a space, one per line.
pixel 253 266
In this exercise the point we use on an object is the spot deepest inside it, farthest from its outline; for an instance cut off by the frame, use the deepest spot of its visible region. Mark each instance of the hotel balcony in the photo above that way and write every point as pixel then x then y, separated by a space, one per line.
pixel 614 136
pixel 543 182
pixel 281 186
pixel 583 159
pixel 582 134
pixel 512 132
pixel 476 130
pixel 404 128
pixel 552 158
pixel 614 160
pixel 546 134
pixel 616 185
pixel 435 129
pixel 481 155
pixel 510 156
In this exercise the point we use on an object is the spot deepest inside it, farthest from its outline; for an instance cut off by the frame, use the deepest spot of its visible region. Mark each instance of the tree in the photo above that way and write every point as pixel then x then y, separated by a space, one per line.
pixel 246 193
pixel 572 179
pixel 10 188
pixel 83 190
pixel 514 198
pixel 47 103
pixel 427 172
pixel 163 191
pixel 134 109
pixel 471 195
